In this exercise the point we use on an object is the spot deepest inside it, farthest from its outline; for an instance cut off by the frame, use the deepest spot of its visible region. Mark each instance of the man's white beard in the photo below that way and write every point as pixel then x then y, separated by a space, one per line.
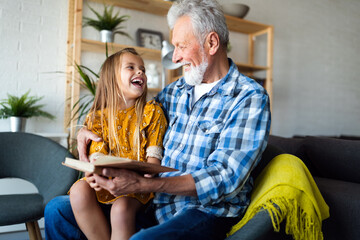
pixel 196 74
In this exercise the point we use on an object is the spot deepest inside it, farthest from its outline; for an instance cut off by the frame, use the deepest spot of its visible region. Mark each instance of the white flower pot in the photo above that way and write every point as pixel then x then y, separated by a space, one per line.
pixel 106 36
pixel 17 124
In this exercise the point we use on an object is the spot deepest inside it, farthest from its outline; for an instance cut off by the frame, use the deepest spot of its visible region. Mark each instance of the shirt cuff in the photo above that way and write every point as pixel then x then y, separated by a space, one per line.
pixel 154 151
pixel 209 185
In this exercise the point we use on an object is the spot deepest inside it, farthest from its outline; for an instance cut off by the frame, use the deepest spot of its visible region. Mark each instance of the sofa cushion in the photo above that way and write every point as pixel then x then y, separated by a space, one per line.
pixel 334 158
pixel 343 199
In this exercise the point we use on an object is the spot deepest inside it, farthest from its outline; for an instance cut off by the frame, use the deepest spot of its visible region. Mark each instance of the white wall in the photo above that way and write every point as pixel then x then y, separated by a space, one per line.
pixel 316 65
pixel 33 48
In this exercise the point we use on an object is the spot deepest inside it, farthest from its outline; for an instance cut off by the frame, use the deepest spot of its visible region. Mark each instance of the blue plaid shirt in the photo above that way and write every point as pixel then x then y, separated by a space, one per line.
pixel 218 140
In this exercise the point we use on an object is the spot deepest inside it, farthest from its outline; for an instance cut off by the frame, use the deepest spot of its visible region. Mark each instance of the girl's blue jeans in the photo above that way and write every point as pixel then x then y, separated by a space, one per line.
pixel 60 224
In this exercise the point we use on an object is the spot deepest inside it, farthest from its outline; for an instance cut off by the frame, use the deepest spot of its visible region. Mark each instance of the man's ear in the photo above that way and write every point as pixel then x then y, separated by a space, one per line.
pixel 212 42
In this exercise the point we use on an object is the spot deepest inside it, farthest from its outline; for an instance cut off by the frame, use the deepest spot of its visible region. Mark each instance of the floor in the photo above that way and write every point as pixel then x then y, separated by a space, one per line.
pixel 20 235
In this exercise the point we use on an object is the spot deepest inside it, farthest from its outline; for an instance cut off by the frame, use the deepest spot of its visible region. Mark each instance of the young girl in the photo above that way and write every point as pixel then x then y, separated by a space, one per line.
pixel 130 127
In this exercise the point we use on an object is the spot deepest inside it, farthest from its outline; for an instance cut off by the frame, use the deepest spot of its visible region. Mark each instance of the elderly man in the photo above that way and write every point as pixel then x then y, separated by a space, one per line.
pixel 219 121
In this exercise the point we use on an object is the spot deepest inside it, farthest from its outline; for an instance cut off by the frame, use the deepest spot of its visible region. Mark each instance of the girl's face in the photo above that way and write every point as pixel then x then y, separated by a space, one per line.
pixel 132 80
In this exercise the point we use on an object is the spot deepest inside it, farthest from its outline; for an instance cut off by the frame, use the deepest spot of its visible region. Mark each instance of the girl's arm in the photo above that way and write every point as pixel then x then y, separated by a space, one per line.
pixel 153 160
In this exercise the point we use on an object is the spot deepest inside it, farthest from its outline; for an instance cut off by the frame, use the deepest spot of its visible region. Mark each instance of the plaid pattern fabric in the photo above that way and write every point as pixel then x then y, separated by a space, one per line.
pixel 218 141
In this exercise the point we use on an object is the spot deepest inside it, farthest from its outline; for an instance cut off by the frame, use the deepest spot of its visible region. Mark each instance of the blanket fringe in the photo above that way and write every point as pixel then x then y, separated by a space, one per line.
pixel 299 224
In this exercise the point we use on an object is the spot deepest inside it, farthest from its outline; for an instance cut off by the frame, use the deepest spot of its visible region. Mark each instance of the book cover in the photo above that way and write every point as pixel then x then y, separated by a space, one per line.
pixel 115 162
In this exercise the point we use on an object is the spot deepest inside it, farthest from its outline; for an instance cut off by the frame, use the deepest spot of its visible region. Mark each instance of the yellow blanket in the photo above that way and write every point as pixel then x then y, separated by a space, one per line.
pixel 286 183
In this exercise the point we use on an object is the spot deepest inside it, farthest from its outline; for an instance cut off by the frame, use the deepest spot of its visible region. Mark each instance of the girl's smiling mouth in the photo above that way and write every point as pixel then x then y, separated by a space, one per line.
pixel 137 82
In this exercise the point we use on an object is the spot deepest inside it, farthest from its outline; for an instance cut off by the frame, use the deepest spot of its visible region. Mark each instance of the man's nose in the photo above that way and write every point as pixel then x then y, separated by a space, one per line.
pixel 176 58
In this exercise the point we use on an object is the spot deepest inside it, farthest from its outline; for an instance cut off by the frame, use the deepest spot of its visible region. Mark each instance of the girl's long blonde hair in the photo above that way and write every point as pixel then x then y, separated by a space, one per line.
pixel 110 96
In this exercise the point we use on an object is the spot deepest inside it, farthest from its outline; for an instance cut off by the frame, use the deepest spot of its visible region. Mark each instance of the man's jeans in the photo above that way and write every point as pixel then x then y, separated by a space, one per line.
pixel 60 224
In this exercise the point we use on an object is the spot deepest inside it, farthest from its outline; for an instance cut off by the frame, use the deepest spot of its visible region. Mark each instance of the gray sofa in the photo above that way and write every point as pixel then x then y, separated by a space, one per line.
pixel 335 165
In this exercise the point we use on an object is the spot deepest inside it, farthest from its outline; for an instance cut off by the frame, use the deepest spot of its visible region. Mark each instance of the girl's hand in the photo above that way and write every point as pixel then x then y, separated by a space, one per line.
pixel 90 179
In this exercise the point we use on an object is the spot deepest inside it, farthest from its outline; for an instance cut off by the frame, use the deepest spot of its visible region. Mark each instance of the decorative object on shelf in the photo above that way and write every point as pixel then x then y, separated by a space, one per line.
pixel 106 36
pixel 167 51
pixel 17 124
pixel 235 9
pixel 149 39
pixel 107 23
pixel 18 109
pixel 153 76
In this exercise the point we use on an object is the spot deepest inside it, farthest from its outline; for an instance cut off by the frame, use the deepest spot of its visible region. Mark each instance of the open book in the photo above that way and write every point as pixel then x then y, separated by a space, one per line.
pixel 115 162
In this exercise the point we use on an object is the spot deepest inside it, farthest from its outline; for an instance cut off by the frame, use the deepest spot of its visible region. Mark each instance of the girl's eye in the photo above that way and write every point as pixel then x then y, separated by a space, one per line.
pixel 130 67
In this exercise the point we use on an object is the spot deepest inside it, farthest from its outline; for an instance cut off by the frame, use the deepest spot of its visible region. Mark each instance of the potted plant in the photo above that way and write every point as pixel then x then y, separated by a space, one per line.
pixel 88 80
pixel 107 23
pixel 18 109
pixel 83 105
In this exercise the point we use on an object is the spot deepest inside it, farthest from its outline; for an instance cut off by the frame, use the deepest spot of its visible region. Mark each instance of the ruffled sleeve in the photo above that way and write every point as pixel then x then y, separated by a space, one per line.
pixel 95 126
pixel 156 123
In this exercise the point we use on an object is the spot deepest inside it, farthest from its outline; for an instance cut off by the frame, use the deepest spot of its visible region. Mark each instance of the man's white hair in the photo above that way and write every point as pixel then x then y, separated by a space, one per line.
pixel 206 16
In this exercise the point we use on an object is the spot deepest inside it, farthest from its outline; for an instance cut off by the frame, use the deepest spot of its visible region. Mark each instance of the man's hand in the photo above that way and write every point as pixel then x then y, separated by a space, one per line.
pixel 124 183
pixel 84 137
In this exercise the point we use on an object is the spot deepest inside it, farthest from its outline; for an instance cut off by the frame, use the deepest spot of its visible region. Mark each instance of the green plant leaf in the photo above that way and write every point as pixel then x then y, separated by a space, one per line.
pixel 24 106
pixel 107 21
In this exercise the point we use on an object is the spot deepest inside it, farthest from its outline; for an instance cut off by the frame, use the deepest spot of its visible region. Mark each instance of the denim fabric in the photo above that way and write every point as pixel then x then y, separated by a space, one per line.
pixel 257 228
pixel 60 223
pixel 190 224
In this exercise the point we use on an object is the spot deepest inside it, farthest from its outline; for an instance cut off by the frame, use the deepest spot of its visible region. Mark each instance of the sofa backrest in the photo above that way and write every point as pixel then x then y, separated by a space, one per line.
pixel 325 157
pixel 334 158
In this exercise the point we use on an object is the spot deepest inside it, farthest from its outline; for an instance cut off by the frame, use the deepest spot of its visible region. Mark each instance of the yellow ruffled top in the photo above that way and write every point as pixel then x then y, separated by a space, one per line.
pixel 152 130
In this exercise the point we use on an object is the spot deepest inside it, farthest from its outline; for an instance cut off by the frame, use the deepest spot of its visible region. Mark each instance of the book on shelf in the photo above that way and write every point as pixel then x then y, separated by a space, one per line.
pixel 106 161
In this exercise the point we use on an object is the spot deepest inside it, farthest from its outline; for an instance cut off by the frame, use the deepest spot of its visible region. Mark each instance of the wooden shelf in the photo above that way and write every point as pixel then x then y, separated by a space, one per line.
pixel 158 7
pixel 244 26
pixel 250 67
pixel 96 46
pixel 161 7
